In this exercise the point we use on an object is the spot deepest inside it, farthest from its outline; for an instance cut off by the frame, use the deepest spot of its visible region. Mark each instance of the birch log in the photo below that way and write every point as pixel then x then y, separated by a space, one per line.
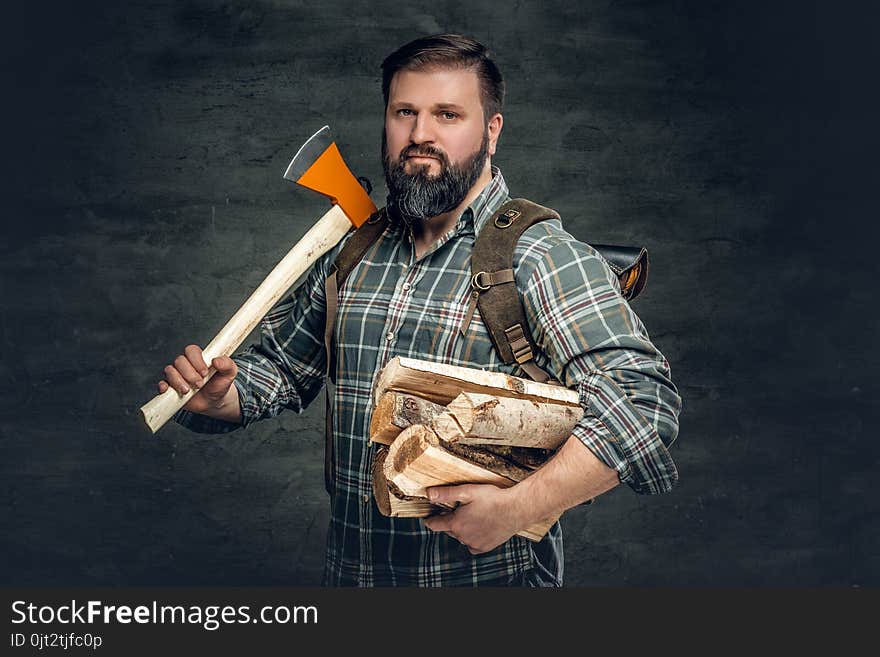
pixel 396 411
pixel 441 383
pixel 475 418
pixel 417 461
pixel 388 502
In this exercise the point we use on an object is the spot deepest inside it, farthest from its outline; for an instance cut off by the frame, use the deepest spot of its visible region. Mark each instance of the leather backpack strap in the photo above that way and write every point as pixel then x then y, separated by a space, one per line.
pixel 346 260
pixel 494 286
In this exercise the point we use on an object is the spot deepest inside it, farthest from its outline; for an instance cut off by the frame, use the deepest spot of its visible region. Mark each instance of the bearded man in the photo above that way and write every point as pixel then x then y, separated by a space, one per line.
pixel 409 296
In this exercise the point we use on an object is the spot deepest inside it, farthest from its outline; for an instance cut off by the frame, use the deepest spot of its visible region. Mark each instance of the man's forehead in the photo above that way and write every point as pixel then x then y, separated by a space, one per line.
pixel 441 86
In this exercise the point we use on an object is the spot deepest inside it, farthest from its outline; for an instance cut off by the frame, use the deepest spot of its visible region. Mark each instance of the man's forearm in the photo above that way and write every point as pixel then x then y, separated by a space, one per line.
pixel 572 476
pixel 486 515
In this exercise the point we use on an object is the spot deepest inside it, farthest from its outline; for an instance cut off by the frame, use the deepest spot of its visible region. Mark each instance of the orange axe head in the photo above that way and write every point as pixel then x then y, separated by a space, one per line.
pixel 319 166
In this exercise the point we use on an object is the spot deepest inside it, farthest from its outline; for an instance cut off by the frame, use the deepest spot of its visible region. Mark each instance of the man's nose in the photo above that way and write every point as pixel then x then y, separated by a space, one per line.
pixel 421 130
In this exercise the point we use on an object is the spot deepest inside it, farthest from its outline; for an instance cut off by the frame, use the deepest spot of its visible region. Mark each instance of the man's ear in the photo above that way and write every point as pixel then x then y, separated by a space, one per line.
pixel 494 126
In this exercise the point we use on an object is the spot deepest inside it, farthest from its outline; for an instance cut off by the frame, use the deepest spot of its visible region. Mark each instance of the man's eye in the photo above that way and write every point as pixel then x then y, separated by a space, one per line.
pixel 404 112
pixel 449 116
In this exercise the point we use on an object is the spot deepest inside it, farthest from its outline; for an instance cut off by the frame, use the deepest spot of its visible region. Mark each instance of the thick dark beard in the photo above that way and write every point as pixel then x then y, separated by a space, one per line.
pixel 419 196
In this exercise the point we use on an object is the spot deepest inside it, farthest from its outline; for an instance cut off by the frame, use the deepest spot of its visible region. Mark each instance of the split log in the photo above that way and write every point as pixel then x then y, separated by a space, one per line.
pixel 396 411
pixel 389 502
pixel 441 383
pixel 417 461
pixel 475 418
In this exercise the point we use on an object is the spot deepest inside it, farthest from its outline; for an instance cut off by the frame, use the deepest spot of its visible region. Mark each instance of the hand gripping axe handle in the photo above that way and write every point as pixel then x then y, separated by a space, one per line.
pixel 318 166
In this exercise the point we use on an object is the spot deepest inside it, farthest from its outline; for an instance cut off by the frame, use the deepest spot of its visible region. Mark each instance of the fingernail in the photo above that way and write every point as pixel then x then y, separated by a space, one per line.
pixel 185 389
pixel 204 372
pixel 432 495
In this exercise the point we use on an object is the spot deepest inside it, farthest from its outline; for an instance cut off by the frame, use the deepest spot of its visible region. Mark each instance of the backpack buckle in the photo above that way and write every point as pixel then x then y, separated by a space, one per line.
pixel 519 346
pixel 475 281
pixel 506 218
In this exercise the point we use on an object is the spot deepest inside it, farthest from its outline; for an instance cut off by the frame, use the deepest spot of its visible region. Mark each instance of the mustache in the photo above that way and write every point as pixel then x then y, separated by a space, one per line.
pixel 423 150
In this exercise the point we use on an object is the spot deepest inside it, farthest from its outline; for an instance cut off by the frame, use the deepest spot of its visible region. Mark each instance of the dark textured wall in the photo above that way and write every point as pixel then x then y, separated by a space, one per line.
pixel 143 201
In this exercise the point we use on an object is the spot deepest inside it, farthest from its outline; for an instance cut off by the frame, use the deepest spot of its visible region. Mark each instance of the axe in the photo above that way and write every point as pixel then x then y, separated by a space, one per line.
pixel 318 166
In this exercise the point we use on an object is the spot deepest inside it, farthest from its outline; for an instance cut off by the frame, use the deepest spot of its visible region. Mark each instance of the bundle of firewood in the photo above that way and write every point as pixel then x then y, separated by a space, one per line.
pixel 442 424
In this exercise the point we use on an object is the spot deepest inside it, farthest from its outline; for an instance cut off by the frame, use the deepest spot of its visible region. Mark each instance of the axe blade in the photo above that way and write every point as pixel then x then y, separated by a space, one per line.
pixel 319 166
pixel 310 151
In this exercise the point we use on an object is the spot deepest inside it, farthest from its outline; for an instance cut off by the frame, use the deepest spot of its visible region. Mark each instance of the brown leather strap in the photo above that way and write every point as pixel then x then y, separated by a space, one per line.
pixel 364 237
pixel 331 292
pixel 494 285
pixel 347 259
pixel 332 296
pixel 483 280
pixel 350 254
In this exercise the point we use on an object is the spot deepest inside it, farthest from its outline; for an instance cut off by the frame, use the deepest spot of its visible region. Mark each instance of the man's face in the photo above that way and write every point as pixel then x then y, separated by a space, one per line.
pixel 436 140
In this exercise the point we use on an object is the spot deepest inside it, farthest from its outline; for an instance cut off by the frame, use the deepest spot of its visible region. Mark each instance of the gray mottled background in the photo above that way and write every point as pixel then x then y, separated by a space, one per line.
pixel 143 146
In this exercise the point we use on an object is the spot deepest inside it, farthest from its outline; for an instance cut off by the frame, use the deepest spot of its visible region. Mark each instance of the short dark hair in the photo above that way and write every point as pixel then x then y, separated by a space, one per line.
pixel 449 51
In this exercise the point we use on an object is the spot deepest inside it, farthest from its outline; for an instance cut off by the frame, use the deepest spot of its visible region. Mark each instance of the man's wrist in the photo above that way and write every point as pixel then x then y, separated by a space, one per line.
pixel 229 408
pixel 526 503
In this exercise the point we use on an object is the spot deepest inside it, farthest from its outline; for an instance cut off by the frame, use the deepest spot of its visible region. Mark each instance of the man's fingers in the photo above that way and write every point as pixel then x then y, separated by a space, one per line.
pixel 194 353
pixel 187 371
pixel 226 370
pixel 450 495
pixel 172 376
pixel 225 366
pixel 443 523
pixel 438 523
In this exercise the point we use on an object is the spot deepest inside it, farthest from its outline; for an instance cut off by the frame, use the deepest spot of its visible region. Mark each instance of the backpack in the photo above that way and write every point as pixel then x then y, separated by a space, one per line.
pixel 493 287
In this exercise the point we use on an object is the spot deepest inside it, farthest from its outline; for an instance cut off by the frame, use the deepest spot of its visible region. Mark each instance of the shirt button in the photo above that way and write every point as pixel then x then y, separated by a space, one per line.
pixel 406 286
pixel 366 499
pixel 389 336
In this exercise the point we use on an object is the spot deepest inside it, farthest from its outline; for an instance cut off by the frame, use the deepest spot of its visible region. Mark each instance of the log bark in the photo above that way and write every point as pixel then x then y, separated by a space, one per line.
pixel 487 459
pixel 525 457
pixel 441 383
pixel 417 461
pixel 396 411
pixel 476 418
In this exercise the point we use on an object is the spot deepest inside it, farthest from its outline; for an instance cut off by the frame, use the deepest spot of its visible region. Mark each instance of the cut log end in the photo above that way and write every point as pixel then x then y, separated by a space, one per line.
pixel 382 428
pixel 395 411
pixel 447 427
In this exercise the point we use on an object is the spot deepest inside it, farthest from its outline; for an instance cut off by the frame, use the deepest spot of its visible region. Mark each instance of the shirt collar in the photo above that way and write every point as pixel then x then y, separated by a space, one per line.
pixel 492 197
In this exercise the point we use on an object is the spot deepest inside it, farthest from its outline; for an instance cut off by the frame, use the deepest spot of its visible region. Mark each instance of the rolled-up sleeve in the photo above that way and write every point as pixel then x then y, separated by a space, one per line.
pixel 593 342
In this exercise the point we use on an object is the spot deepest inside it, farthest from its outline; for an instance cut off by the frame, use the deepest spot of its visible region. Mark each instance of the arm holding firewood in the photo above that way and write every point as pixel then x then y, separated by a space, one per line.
pixel 595 345
pixel 487 516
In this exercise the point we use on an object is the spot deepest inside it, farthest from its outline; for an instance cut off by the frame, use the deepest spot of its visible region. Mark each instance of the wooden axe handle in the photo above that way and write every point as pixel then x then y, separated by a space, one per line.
pixel 322 237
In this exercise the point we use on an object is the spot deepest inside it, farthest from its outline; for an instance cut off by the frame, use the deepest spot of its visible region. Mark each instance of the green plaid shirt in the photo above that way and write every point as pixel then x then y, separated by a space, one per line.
pixel 392 305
